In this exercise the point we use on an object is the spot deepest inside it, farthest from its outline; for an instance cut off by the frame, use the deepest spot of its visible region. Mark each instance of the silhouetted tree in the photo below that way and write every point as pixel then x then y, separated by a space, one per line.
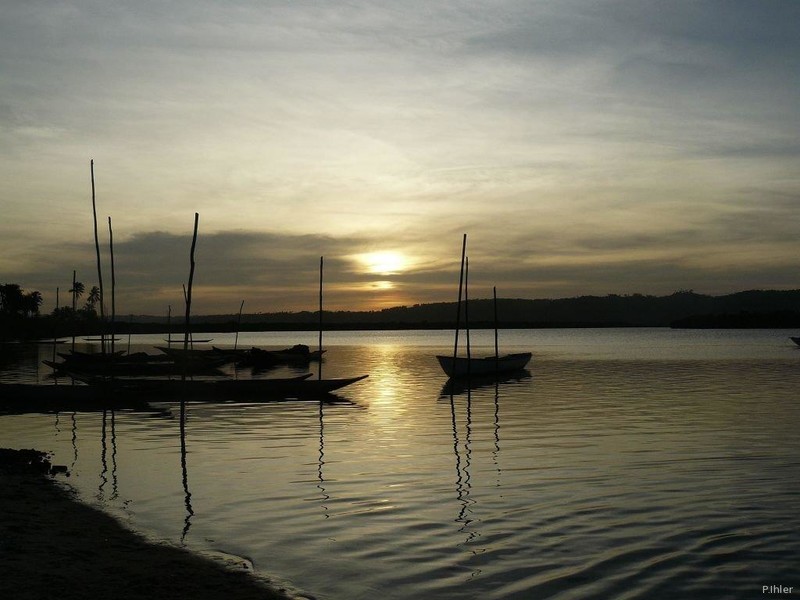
pixel 14 301
pixel 92 299
pixel 10 298
pixel 78 290
pixel 31 303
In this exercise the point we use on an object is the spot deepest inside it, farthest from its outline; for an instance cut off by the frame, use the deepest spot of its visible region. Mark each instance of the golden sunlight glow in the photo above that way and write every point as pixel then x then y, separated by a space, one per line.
pixel 383 263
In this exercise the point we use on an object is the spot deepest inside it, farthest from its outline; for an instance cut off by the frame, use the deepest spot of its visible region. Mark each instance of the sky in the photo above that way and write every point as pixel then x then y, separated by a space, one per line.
pixel 585 147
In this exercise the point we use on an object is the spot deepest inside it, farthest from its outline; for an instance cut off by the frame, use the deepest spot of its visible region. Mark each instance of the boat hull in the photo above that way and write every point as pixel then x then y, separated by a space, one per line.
pixel 490 365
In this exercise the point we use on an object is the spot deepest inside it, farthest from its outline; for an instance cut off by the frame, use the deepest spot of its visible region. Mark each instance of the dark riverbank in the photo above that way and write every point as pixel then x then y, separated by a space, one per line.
pixel 53 546
pixel 685 309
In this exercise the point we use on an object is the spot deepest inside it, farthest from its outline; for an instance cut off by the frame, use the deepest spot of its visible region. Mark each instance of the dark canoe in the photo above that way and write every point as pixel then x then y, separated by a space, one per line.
pixel 137 394
pixel 30 342
pixel 303 386
pixel 194 353
pixel 490 365
pixel 796 340
pixel 300 354
pixel 121 368
pixel 120 356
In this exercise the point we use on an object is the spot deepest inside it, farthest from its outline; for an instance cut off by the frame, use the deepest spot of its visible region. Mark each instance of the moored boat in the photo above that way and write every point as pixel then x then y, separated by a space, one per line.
pixel 489 365
pixel 468 366
pixel 298 354
pixel 222 390
pixel 121 367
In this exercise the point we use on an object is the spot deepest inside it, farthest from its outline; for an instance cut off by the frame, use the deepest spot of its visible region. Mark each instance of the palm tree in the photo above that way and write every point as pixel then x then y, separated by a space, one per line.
pixel 31 303
pixel 77 290
pixel 10 298
pixel 93 298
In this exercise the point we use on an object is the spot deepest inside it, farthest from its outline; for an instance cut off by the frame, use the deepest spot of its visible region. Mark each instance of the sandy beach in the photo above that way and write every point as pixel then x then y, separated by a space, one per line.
pixel 54 546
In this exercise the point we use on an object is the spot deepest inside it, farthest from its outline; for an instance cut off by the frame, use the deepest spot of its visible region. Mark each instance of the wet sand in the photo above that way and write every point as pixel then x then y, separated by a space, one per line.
pixel 53 546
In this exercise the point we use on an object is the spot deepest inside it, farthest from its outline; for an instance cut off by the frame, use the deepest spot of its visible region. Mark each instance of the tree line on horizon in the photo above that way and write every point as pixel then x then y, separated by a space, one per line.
pixel 633 310
pixel 20 318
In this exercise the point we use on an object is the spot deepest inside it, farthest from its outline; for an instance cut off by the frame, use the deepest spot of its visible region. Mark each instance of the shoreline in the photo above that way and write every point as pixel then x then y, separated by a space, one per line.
pixel 54 545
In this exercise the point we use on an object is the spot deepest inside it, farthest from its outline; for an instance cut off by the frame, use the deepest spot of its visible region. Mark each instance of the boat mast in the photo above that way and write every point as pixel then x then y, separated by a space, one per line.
pixel 458 306
pixel 320 318
pixel 188 298
pixel 466 310
pixel 238 325
pixel 496 345
pixel 99 269
pixel 113 285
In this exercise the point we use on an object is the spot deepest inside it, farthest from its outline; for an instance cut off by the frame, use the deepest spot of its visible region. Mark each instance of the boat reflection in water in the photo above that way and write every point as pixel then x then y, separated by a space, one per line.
pixel 461 385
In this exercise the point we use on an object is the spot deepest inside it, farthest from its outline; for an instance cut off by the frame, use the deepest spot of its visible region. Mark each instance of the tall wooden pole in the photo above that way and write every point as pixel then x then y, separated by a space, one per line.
pixel 55 328
pixel 188 295
pixel 496 345
pixel 113 284
pixel 238 325
pixel 319 373
pixel 99 268
pixel 74 316
pixel 458 308
pixel 466 310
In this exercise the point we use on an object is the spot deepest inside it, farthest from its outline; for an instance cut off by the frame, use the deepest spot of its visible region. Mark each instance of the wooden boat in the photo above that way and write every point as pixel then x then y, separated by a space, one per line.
pixel 299 354
pixel 459 366
pixel 236 353
pixel 488 365
pixel 31 342
pixel 120 368
pixel 192 353
pixel 796 340
pixel 97 357
pixel 301 387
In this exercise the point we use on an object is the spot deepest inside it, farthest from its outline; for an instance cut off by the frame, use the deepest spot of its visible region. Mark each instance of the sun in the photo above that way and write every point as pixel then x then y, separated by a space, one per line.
pixel 383 263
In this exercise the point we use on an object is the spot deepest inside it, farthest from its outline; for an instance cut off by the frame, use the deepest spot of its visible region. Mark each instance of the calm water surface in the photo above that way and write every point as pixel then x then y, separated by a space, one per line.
pixel 644 463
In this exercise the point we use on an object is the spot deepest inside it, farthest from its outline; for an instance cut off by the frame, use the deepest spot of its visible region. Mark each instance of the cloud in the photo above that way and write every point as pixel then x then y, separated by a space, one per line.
pixel 584 146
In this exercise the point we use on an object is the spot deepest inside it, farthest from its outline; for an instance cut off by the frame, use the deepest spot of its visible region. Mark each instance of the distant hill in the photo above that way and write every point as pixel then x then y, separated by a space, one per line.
pixel 755 308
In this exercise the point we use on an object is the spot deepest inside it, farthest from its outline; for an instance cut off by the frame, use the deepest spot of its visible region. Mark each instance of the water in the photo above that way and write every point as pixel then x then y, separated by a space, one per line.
pixel 631 463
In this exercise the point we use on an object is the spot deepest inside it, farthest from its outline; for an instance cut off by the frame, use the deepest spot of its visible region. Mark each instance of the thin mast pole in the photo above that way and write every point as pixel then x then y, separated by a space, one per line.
pixel 113 284
pixel 99 269
pixel 496 345
pixel 320 317
pixel 74 324
pixel 238 324
pixel 55 328
pixel 188 296
pixel 458 307
pixel 466 310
